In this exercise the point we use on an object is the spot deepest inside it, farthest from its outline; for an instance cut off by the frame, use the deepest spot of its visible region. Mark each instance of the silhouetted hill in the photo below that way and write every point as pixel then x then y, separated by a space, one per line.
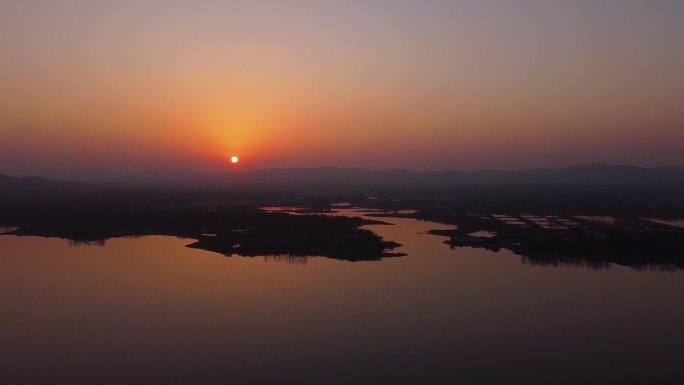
pixel 36 183
pixel 595 174
pixel 586 174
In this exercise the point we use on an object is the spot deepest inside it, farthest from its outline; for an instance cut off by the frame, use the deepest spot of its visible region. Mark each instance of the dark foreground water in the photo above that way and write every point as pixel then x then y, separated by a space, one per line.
pixel 150 311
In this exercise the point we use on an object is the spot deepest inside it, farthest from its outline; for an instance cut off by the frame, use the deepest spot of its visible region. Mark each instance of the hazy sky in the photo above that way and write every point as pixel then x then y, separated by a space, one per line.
pixel 129 85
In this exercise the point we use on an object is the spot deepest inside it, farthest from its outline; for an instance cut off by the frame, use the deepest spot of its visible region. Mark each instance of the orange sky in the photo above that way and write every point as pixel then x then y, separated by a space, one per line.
pixel 133 85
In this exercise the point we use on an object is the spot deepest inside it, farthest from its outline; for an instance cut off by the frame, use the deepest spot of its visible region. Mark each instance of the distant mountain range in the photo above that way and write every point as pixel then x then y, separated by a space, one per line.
pixel 595 174
pixel 37 183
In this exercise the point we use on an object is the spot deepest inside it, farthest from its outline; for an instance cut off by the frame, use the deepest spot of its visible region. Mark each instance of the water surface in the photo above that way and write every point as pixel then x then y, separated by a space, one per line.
pixel 149 310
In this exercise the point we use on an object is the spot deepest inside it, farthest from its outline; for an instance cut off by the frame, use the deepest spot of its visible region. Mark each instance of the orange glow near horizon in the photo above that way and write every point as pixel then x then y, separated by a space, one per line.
pixel 427 85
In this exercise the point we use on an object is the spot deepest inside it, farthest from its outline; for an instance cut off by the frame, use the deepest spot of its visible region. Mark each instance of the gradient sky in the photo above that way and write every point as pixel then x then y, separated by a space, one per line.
pixel 130 85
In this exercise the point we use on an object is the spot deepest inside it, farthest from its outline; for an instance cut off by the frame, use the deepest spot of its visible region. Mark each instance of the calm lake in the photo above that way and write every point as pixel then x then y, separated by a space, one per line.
pixel 149 310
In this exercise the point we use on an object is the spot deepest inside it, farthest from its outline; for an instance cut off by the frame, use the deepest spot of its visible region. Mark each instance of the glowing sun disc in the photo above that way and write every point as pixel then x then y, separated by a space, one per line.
pixel 234 159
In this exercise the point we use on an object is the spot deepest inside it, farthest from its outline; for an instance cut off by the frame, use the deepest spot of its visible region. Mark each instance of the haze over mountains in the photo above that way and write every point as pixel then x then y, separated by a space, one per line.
pixel 596 174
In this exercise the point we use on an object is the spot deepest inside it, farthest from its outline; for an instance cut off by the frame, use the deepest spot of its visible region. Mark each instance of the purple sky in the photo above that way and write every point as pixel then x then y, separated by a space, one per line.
pixel 132 85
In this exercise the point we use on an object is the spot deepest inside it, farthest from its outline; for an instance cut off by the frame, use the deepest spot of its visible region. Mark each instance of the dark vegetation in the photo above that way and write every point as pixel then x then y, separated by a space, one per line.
pixel 247 232
pixel 635 242
pixel 533 213
pixel 588 225
pixel 228 222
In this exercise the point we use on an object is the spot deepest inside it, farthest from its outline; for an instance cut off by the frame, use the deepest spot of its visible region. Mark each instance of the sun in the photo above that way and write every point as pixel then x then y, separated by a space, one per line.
pixel 234 159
